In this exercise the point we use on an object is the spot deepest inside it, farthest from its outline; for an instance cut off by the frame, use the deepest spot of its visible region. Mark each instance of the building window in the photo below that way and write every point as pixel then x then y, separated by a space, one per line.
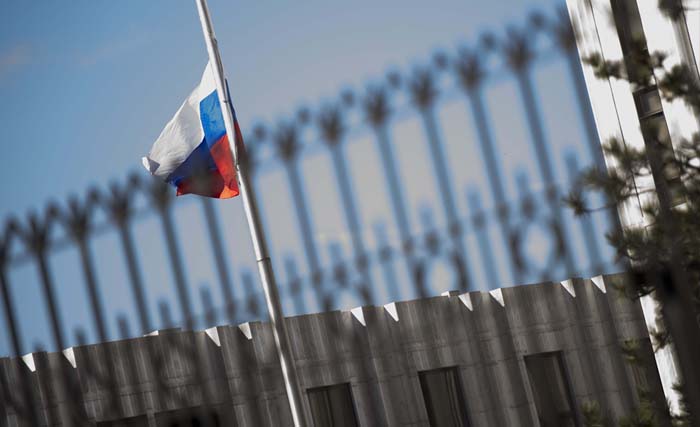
pixel 139 421
pixel 332 406
pixel 551 390
pixel 443 396
pixel 196 417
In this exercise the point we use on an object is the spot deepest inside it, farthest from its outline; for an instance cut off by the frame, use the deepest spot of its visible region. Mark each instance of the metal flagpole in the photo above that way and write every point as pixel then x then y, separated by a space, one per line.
pixel 267 276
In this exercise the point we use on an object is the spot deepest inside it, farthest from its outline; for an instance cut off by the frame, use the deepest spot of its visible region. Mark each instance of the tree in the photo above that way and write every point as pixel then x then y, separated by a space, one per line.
pixel 664 258
pixel 592 416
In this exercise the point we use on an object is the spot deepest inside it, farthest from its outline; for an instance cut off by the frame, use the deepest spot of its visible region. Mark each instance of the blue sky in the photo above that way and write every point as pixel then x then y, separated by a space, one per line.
pixel 91 83
pixel 88 85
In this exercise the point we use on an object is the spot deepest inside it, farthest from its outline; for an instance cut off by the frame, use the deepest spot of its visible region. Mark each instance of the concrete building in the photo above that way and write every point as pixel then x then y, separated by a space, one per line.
pixel 522 356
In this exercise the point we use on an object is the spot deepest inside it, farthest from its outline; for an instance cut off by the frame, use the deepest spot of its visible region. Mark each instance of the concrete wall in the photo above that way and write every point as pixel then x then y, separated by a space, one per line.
pixel 378 350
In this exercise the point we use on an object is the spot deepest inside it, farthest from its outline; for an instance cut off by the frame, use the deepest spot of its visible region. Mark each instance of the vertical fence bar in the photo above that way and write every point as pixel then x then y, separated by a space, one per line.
pixel 209 314
pixel 432 244
pixel 332 129
pixel 454 224
pixel 441 170
pixel 288 148
pixel 588 228
pixel 552 195
pixel 220 259
pixel 424 95
pixel 528 214
pixel 339 272
pixel 386 261
pixel 529 211
pixel 252 303
pixel 135 278
pixel 37 238
pixel 378 110
pixel 119 204
pixel 399 208
pixel 396 194
pixel 160 193
pixel 481 227
pixel 519 54
pixel 96 306
pixel 27 411
pixel 295 285
pixel 471 74
pixel 78 224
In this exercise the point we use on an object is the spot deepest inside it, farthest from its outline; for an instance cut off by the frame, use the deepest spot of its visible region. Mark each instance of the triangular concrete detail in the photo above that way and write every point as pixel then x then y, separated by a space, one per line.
pixel 245 328
pixel 569 286
pixel 497 294
pixel 28 360
pixel 213 334
pixel 359 314
pixel 467 301
pixel 70 355
pixel 391 309
pixel 600 283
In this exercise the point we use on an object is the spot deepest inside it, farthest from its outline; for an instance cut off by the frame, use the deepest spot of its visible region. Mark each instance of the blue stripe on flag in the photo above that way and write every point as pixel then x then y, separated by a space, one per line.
pixel 212 119
pixel 199 160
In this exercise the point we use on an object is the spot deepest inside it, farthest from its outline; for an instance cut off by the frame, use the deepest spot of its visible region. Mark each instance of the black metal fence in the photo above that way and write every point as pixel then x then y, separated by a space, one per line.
pixel 371 273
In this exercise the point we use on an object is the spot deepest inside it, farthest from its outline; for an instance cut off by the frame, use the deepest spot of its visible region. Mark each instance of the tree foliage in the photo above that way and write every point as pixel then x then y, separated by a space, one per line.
pixel 648 250
pixel 592 416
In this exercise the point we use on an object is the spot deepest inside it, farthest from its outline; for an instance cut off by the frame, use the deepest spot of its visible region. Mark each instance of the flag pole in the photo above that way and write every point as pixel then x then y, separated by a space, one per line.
pixel 279 330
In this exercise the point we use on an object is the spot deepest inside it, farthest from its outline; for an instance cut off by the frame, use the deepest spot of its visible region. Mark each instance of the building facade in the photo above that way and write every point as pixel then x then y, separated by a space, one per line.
pixel 523 356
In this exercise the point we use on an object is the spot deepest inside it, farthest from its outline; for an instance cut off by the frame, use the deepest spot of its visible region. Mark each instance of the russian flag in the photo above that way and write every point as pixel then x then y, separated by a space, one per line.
pixel 193 153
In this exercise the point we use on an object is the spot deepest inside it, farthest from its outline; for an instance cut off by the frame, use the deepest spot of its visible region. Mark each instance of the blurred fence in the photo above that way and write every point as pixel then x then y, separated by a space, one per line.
pixel 314 285
pixel 464 75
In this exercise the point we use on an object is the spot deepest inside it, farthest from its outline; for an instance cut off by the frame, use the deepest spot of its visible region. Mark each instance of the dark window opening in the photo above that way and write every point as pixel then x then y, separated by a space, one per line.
pixel 332 406
pixel 444 398
pixel 138 421
pixel 551 390
pixel 196 417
